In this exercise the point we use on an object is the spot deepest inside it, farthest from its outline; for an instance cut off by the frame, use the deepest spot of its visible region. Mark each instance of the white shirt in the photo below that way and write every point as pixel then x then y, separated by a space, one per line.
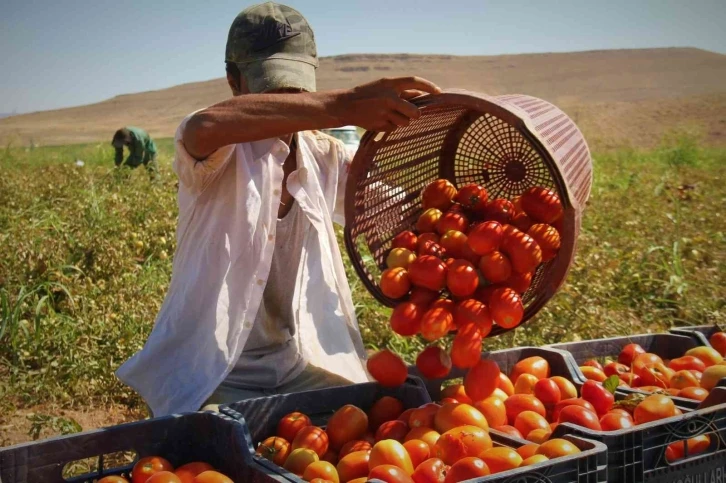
pixel 225 239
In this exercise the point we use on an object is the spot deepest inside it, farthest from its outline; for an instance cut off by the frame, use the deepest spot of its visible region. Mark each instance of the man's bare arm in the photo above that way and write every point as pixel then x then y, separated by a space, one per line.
pixel 378 106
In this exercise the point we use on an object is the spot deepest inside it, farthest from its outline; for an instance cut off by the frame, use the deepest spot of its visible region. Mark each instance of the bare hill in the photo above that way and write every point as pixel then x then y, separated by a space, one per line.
pixel 617 96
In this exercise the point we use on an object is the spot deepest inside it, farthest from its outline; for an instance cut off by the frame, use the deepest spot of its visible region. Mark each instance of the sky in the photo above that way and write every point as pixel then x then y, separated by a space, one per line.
pixel 58 54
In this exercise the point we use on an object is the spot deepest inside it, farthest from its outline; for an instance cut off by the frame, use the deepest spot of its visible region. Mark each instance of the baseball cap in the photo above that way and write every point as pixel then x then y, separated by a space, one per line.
pixel 274 48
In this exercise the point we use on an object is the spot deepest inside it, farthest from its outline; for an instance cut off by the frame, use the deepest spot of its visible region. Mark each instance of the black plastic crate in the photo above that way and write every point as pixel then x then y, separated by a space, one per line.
pixel 205 436
pixel 702 333
pixel 560 365
pixel 637 455
pixel 667 346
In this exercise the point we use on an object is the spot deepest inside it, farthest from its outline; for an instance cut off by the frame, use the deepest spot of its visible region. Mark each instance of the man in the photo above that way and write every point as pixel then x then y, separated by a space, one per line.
pixel 259 303
pixel 142 149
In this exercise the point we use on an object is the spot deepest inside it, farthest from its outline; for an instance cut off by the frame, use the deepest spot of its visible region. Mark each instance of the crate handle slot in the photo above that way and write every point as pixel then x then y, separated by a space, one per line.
pixel 98 466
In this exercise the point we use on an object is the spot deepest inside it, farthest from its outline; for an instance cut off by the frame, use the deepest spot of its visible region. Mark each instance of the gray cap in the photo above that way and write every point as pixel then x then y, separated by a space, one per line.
pixel 274 48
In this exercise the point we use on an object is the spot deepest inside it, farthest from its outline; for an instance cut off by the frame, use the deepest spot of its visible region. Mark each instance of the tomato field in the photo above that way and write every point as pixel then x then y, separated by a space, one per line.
pixel 86 260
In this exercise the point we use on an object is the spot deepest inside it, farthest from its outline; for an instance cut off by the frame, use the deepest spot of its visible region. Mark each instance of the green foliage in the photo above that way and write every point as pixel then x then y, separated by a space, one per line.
pixel 86 261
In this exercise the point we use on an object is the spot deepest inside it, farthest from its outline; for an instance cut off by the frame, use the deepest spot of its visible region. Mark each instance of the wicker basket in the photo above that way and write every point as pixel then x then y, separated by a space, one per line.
pixel 505 143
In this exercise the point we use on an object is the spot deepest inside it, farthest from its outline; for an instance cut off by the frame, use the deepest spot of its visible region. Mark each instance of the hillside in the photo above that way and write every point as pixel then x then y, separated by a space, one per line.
pixel 617 96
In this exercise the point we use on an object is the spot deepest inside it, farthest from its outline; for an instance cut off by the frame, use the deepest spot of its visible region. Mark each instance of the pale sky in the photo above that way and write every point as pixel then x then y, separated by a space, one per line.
pixel 58 54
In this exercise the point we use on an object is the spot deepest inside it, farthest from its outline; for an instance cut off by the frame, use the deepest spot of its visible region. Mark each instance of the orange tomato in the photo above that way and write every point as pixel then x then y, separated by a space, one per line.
pixel 482 379
pixel 501 459
pixel 708 355
pixel 322 470
pixel 505 384
pixel 615 369
pixel 347 424
pixel 525 384
pixel 115 479
pixel 527 450
pixel 677 450
pixel 389 474
pixel 405 239
pixel 697 393
pixel 466 348
pixel 506 308
pixel 418 450
pixel 518 403
pixel 385 409
pixel 510 430
pixel 353 465
pixel 472 311
pixel 718 341
pixel 462 441
pixel 653 408
pixel 164 477
pixel 547 238
pixel 211 477
pixel 390 452
pixel 426 223
pixel 493 410
pixel 438 194
pixel 291 424
pixel 542 204
pixel 187 472
pixel 535 365
pixel 352 446
pixel 396 430
pixel 528 421
pixel 485 237
pixel 456 391
pixel 387 368
pixel 436 323
pixel 395 282
pixel 567 389
pixel 433 470
pixel 593 373
pixel 423 417
pixel 548 392
pixel 452 415
pixel 687 363
pixel 313 438
pixel 557 448
pixel 616 421
pixel 495 266
pixel 400 258
pixel 427 435
pixel 146 467
pixel 273 448
pixel 534 459
pixel 466 469
pixel 684 379
pixel 539 435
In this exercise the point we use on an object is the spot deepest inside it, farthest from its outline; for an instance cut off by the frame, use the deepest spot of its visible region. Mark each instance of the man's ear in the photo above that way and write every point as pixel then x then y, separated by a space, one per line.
pixel 234 84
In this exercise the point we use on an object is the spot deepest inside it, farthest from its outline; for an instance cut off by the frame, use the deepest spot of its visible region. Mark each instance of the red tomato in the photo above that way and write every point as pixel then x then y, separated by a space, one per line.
pixel 500 210
pixel 389 474
pixel 395 282
pixel 517 403
pixel 519 282
pixel 485 237
pixel 687 363
pixel 482 379
pixel 352 447
pixel 522 222
pixel 385 409
pixel 433 363
pixel 163 477
pixel 493 410
pixel 466 348
pixel 718 342
pixel 593 363
pixel 570 402
pixel 472 311
pixel 461 442
pixel 273 448
pixel 146 467
pixel 436 323
pixel 629 353
pixel 452 221
pixel 290 424
pixel 353 465
pixel 697 445
pixel 313 438
pixel 406 415
pixel 616 421
pixel 396 430
pixel 535 365
pixel 347 424
pixel 423 417
pixel 387 368
pixel 466 469
pixel 405 239
pixel 189 471
pixel 522 250
pixel 433 470
pixel 431 248
pixel 418 450
pixel 579 416
pixel 406 318
pixel 547 391
pixel 567 389
pixel 600 398
pixel 505 306
pixel 615 369
pixel 438 194
pixel 455 244
pixel 390 452
pixel 510 430
pixel 630 379
pixel 428 272
pixel 472 197
pixel 456 391
pixel 462 278
pixel 547 238
pixel 422 296
pixel 495 266
pixel 542 204
pixel 427 236
pixel 426 223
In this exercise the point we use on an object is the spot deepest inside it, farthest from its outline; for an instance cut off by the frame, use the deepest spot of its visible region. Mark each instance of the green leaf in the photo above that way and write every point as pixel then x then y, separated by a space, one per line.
pixel 611 383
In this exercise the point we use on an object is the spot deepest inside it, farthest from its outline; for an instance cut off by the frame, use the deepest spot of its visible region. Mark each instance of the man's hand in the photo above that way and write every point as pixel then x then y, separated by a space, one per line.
pixel 382 105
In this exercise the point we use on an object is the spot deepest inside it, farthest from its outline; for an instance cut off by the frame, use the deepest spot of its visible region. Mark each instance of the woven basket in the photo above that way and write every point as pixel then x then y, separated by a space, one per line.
pixel 505 143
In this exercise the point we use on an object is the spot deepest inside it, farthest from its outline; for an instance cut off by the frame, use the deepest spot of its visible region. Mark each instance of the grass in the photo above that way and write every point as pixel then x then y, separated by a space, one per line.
pixel 86 261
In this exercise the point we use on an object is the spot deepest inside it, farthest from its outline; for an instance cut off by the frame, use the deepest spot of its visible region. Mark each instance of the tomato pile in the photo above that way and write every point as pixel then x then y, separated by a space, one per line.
pixel 465 269
pixel 691 376
pixel 430 444
pixel 155 469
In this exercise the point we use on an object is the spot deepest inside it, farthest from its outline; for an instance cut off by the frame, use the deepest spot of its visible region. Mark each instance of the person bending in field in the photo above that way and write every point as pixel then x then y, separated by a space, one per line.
pixel 259 303
pixel 142 149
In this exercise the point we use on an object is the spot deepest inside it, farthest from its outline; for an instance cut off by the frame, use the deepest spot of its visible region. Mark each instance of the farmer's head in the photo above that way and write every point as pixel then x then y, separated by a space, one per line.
pixel 121 138
pixel 270 48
